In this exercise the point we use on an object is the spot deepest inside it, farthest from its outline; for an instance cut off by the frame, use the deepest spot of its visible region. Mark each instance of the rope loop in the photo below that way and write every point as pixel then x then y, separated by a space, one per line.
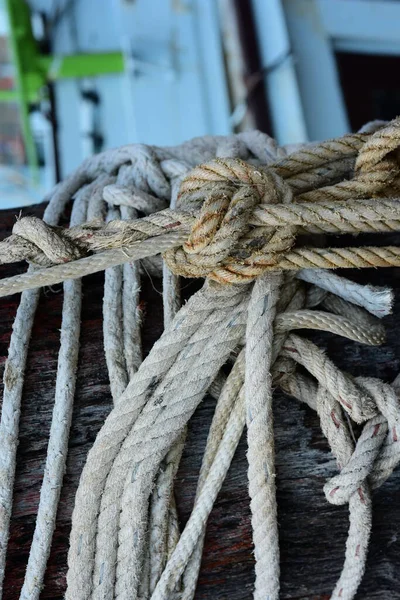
pixel 53 242
pixel 377 451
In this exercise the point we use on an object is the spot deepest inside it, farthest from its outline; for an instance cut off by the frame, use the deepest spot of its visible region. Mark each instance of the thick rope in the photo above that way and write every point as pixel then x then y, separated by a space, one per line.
pixel 260 434
pixel 163 518
pixel 318 258
pixel 197 321
pixel 193 534
pixel 14 376
pixel 219 245
pixel 235 218
pixel 353 216
pixel 60 425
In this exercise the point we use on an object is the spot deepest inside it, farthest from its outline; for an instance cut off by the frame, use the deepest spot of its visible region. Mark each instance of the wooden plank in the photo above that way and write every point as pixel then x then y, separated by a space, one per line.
pixel 312 532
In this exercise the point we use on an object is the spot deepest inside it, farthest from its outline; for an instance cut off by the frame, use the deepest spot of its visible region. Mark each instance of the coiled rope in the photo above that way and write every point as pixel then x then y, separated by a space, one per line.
pixel 236 220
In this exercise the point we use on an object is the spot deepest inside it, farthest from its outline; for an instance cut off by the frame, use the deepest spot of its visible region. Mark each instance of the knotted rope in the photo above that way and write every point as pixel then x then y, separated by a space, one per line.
pixel 236 220
pixel 244 223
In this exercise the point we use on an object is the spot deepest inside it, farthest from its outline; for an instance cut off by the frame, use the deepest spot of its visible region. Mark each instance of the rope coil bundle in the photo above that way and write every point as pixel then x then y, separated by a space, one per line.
pixel 234 220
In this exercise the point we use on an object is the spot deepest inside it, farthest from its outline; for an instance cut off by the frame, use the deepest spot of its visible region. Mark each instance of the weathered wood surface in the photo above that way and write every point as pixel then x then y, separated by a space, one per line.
pixel 312 532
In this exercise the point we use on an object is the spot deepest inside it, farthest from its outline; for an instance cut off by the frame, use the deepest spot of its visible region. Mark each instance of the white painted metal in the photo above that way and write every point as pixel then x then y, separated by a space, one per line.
pixel 43 133
pixel 323 102
pixel 362 25
pixel 241 118
pixel 87 121
pixel 375 47
pixel 317 29
pixel 282 87
pixel 178 81
pixel 174 87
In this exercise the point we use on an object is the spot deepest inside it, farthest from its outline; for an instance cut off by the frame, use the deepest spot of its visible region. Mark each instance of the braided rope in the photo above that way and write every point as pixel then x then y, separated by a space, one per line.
pixel 233 219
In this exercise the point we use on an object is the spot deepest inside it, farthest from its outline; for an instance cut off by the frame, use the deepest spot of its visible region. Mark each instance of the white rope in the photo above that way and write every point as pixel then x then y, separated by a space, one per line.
pixel 163 519
pixel 14 376
pixel 9 426
pixel 361 295
pixel 260 434
pixel 60 426
pixel 125 540
pixel 113 324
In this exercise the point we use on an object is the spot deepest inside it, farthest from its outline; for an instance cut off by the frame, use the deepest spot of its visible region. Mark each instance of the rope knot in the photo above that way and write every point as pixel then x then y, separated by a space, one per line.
pixel 222 244
pixel 53 242
pixel 377 449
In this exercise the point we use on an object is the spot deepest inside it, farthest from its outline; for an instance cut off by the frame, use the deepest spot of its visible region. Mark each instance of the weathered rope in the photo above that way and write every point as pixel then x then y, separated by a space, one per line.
pixel 234 219
pixel 14 378
pixel 195 527
pixel 260 433
pixel 163 519
pixel 219 245
pixel 60 425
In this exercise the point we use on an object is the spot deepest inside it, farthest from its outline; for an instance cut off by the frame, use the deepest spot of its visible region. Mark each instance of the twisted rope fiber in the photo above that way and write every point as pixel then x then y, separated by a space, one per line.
pixel 213 473
pixel 14 379
pixel 259 418
pixel 198 319
pixel 163 517
pixel 61 421
pixel 224 435
pixel 181 407
pixel 233 222
pixel 234 189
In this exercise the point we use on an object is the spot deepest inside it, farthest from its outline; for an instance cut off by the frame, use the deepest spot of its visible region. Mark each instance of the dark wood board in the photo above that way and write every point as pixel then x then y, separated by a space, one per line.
pixel 312 532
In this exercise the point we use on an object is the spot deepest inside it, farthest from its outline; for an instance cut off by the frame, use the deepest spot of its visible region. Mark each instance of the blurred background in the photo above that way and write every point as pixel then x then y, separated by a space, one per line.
pixel 79 76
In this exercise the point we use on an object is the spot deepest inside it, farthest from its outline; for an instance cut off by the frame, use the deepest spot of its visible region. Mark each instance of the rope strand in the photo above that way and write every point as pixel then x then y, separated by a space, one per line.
pixel 234 220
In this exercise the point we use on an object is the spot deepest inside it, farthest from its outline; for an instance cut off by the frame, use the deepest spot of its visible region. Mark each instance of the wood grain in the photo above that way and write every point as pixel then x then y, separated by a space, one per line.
pixel 312 532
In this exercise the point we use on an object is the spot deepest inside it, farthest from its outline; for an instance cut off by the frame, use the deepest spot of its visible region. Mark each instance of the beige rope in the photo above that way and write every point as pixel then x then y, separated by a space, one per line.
pixel 200 318
pixel 216 450
pixel 233 190
pixel 303 258
pixel 14 376
pixel 326 216
pixel 260 434
pixel 163 518
pixel 59 431
pixel 236 219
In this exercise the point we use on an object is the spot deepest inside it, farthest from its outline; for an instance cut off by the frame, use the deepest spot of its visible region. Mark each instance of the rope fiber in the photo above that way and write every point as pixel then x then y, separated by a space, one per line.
pixel 231 210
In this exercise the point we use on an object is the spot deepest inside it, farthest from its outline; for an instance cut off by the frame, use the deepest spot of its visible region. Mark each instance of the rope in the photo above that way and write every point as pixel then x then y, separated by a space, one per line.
pixel 330 217
pixel 14 377
pixel 231 210
pixel 260 434
pixel 60 425
pixel 163 518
